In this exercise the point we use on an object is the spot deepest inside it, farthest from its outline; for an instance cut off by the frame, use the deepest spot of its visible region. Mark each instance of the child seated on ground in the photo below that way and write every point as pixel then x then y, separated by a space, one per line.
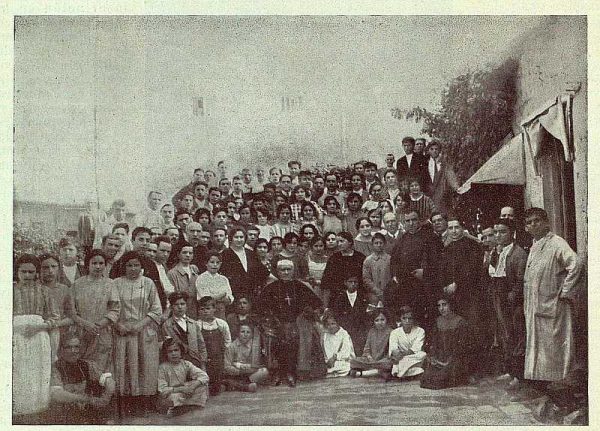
pixel 337 346
pixel 406 347
pixel 375 357
pixel 244 365
pixel 182 386
pixel 217 337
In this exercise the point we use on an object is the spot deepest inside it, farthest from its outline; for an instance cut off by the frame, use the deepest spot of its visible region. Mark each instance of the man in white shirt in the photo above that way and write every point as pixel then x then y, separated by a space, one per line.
pixel 440 180
pixel 222 169
pixel 420 144
pixel 370 175
pixel 163 250
pixel 107 221
pixel 150 216
pixel 507 297
pixel 389 164
pixel 258 181
pixel 201 194
pixel 237 190
pixel 520 236
pixel 111 244
pixel 411 165
pixel 246 180
pixel 390 222
pixel 294 169
pixel 69 268
pixel 225 186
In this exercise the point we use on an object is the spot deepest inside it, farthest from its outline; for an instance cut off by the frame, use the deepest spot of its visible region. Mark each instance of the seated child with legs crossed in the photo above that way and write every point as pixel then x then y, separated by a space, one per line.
pixel 337 346
pixel 406 347
pixel 375 358
pixel 244 365
pixel 182 386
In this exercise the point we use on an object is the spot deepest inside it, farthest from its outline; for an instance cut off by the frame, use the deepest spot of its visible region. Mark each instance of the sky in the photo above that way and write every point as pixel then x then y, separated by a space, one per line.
pixel 104 106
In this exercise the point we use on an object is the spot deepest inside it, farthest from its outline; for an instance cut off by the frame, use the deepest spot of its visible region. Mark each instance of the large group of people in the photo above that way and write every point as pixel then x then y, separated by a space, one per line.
pixel 244 281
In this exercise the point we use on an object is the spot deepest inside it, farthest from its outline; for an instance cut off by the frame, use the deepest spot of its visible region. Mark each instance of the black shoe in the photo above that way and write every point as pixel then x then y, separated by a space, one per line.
pixel 291 382
pixel 276 381
pixel 387 376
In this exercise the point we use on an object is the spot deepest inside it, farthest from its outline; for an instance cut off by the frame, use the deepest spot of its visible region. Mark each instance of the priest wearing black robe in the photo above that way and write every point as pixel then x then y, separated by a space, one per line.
pixel 414 266
pixel 294 306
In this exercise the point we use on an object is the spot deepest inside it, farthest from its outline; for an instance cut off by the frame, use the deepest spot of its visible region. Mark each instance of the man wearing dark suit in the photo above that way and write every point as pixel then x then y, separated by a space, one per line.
pixel 393 235
pixel 350 309
pixel 411 165
pixel 521 237
pixel 69 270
pixel 507 298
pixel 440 180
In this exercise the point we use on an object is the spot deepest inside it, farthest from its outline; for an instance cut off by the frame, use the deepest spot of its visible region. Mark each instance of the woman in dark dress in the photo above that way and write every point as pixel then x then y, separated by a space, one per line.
pixel 341 263
pixel 241 266
pixel 447 363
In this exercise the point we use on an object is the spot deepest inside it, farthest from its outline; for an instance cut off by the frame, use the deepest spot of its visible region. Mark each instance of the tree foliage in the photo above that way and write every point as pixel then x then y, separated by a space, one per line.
pixel 474 118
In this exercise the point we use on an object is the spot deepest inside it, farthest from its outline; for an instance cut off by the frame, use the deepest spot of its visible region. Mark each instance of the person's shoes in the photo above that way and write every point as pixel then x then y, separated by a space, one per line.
pixel 216 390
pixel 355 373
pixel 473 380
pixel 170 412
pixel 291 382
pixel 514 385
pixel 387 376
pixel 549 413
pixel 525 394
pixel 276 381
pixel 503 377
pixel 252 387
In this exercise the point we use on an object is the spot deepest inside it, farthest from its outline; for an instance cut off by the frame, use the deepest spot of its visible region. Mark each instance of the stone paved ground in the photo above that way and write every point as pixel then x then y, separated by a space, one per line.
pixel 361 401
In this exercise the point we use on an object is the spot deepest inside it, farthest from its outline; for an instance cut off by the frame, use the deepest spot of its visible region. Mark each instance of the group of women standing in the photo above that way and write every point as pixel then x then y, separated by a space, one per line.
pixel 94 309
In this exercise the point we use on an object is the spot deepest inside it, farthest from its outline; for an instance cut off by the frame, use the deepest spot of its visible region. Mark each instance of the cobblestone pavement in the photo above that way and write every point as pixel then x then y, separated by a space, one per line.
pixel 360 401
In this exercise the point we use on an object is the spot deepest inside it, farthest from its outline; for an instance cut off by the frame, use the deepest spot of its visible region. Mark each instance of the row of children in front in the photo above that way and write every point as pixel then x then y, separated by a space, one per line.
pixel 241 365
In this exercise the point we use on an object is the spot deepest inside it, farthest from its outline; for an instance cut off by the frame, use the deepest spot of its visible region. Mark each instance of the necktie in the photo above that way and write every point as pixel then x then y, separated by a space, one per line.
pixel 435 170
pixel 494 259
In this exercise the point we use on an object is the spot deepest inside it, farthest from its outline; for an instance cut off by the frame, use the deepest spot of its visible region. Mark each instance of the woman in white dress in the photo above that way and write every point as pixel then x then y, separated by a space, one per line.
pixel 32 319
pixel 406 346
pixel 317 261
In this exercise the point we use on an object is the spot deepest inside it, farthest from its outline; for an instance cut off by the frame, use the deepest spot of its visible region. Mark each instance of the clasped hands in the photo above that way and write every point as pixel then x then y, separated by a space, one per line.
pixel 129 328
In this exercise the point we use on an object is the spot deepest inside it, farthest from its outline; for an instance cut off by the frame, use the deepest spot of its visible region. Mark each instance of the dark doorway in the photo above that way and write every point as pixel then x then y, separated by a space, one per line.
pixel 558 189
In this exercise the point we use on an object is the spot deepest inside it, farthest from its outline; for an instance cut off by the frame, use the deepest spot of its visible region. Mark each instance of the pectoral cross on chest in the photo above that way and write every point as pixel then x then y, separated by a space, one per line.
pixel 288 299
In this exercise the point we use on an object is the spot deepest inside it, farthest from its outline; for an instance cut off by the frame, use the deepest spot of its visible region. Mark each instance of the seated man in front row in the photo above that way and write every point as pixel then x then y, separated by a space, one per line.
pixel 79 392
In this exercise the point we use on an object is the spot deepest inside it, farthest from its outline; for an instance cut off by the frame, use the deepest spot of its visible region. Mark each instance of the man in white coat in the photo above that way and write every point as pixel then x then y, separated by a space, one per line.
pixel 551 279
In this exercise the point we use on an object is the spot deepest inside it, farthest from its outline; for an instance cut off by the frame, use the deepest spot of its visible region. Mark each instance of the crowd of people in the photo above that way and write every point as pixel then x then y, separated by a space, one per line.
pixel 243 281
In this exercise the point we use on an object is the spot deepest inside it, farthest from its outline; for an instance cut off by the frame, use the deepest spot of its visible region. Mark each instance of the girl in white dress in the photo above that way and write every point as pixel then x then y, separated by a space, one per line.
pixel 338 348
pixel 406 346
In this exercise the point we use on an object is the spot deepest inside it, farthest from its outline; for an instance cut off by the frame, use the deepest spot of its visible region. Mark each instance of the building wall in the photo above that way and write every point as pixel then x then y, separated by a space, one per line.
pixel 553 61
pixel 51 218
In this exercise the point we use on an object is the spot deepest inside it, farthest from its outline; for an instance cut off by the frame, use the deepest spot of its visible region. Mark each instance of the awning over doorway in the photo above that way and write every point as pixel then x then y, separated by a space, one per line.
pixel 504 167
